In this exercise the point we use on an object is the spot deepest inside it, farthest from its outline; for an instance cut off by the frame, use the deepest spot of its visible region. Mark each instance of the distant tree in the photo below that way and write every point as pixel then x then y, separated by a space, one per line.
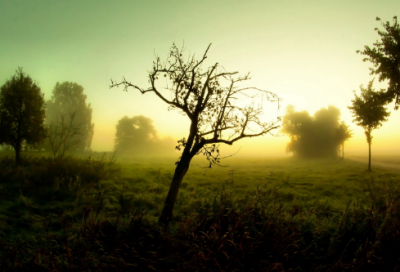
pixel 385 57
pixel 214 105
pixel 297 125
pixel 369 112
pixel 343 134
pixel 135 135
pixel 313 136
pixel 22 113
pixel 68 98
pixel 63 135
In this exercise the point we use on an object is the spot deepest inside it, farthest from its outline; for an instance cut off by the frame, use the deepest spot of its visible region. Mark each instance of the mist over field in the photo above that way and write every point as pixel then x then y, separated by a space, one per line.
pixel 199 136
pixel 309 60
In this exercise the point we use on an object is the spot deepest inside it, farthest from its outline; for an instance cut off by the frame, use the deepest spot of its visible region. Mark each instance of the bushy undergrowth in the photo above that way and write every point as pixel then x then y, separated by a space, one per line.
pixel 81 215
pixel 222 236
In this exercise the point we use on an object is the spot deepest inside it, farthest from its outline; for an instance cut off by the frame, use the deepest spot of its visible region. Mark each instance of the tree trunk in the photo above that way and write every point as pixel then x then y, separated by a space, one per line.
pixel 17 149
pixel 180 172
pixel 343 150
pixel 369 156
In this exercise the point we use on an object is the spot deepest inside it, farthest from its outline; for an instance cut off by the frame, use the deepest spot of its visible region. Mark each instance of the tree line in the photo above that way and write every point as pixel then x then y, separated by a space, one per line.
pixel 62 123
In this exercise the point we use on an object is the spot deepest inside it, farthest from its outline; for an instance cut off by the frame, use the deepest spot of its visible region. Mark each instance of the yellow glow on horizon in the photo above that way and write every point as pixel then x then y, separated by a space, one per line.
pixel 303 51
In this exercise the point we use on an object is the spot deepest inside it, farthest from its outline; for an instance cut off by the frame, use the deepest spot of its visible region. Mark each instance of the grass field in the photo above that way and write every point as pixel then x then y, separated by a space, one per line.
pixel 52 208
pixel 331 182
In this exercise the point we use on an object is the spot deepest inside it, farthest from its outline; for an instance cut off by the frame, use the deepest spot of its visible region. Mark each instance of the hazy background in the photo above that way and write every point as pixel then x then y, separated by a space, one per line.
pixel 304 51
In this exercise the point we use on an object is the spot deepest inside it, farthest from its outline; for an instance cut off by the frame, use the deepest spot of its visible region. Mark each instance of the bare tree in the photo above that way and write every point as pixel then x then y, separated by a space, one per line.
pixel 213 100
pixel 62 136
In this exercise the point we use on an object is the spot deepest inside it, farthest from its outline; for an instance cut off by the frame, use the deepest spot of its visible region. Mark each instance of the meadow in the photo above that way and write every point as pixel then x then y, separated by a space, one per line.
pixel 331 183
pixel 99 213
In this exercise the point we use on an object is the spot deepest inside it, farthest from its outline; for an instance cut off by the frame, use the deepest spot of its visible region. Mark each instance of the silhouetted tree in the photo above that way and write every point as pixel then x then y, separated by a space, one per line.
pixel 343 134
pixel 68 98
pixel 313 136
pixel 63 135
pixel 213 103
pixel 135 135
pixel 385 57
pixel 22 113
pixel 369 112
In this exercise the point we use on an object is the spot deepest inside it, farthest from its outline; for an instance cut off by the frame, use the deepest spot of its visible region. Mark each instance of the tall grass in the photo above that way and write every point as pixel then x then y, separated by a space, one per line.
pixel 94 215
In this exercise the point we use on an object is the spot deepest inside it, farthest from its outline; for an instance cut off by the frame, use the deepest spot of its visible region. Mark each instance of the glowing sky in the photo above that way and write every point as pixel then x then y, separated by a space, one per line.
pixel 304 51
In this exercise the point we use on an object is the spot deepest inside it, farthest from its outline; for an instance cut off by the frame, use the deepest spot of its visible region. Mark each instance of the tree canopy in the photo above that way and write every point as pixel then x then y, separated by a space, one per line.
pixel 385 58
pixel 137 136
pixel 320 135
pixel 369 112
pixel 214 101
pixel 22 112
pixel 68 98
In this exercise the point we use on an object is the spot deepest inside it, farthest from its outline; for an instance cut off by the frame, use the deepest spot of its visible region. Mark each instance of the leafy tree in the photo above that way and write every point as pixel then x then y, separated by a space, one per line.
pixel 385 58
pixel 343 134
pixel 68 98
pixel 213 102
pixel 313 136
pixel 22 113
pixel 135 135
pixel 369 112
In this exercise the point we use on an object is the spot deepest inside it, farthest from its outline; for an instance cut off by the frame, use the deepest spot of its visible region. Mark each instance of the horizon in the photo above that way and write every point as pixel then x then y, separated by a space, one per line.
pixel 303 52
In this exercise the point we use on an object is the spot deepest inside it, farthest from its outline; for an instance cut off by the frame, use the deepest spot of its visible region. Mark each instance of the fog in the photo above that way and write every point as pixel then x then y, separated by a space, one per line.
pixel 303 52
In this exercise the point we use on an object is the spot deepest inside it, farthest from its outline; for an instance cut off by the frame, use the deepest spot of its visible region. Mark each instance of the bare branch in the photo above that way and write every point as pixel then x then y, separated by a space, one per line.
pixel 62 136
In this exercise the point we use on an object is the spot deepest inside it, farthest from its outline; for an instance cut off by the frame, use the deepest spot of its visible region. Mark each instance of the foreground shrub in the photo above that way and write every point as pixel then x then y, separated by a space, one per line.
pixel 42 172
pixel 224 234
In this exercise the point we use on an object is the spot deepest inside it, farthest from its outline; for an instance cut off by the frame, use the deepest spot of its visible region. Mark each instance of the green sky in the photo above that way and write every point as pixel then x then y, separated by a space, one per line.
pixel 304 51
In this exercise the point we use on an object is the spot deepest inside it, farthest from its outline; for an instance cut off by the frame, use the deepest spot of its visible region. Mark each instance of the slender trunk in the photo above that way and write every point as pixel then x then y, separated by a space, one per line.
pixel 369 156
pixel 343 150
pixel 180 172
pixel 17 149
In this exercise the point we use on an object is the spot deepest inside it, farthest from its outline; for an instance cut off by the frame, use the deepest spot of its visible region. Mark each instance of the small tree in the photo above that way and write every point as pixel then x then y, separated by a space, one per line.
pixel 343 134
pixel 215 110
pixel 369 112
pixel 136 134
pixel 21 113
pixel 386 59
pixel 62 136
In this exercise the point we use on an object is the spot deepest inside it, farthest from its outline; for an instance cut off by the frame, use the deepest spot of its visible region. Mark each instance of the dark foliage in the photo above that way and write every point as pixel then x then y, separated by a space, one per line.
pixel 369 112
pixel 51 179
pixel 385 58
pixel 21 113
pixel 223 235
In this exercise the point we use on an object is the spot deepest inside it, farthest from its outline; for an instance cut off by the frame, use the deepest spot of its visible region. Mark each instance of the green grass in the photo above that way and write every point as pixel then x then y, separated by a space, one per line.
pixel 95 205
pixel 308 182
